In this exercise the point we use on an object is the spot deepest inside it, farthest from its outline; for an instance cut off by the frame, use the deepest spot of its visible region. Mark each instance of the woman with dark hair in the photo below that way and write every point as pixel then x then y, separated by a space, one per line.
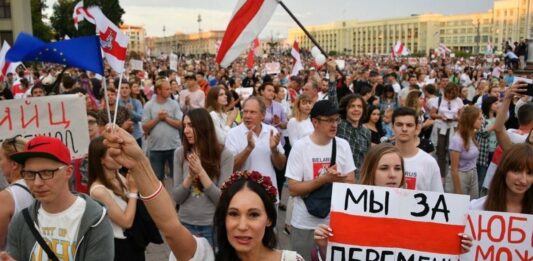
pixel 252 195
pixel 373 124
pixel 486 137
pixel 118 194
pixel 383 167
pixel 201 164
pixel 246 211
pixel 388 99
pixel 464 152
pixel 137 93
pixel 275 114
pixel 216 102
pixel 511 187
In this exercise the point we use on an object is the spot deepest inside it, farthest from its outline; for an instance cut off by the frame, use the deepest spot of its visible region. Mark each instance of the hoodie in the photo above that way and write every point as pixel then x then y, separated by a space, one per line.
pixel 95 235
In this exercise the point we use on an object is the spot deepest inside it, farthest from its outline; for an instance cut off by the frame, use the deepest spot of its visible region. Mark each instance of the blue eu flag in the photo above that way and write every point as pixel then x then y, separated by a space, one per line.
pixel 82 52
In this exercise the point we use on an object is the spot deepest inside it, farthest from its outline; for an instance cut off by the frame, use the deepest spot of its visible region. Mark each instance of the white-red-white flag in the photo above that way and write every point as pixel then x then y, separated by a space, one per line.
pixel 80 14
pixel 443 50
pixel 249 19
pixel 6 66
pixel 400 49
pixel 296 59
pixel 114 43
pixel 252 53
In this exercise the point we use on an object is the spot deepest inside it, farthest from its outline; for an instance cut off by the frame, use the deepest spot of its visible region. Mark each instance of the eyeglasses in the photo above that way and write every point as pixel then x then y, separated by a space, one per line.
pixel 330 120
pixel 44 174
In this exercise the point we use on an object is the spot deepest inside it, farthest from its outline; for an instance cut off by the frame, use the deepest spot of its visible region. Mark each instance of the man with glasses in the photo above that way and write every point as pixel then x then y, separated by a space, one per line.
pixel 254 144
pixel 75 226
pixel 308 169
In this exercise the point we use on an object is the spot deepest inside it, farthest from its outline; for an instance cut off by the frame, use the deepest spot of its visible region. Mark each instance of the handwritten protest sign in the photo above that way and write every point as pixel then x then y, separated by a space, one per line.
pixel 423 61
pixel 499 236
pixel 412 61
pixel 60 116
pixel 377 223
pixel 136 64
pixel 273 68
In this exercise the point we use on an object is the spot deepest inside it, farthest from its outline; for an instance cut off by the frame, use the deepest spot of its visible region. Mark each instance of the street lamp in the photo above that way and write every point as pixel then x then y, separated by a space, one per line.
pixel 478 36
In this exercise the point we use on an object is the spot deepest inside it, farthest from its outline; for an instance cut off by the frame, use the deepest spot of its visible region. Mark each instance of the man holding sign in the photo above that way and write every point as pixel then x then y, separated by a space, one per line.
pixel 312 164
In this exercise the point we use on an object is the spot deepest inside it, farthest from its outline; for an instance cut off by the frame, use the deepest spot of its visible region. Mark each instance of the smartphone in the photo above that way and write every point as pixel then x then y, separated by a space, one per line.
pixel 529 91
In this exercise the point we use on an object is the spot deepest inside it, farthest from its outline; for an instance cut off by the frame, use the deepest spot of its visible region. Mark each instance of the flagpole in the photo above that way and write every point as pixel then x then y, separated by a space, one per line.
pixel 306 32
pixel 106 99
pixel 118 98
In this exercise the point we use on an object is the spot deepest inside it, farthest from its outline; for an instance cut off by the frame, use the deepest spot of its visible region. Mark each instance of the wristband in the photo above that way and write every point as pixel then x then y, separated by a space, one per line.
pixel 155 194
pixel 133 195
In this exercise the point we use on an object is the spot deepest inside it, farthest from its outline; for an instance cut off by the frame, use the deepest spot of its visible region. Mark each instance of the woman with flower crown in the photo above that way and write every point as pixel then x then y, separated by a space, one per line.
pixel 200 167
pixel 245 216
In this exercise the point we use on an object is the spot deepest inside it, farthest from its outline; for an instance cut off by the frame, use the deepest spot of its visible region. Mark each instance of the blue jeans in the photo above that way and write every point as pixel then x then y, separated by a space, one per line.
pixel 206 232
pixel 158 159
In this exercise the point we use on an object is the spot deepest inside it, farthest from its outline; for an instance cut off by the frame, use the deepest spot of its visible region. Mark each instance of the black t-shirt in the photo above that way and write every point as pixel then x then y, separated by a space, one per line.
pixel 6 94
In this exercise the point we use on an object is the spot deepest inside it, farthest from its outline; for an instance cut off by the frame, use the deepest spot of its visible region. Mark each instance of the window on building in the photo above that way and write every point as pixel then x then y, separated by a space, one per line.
pixel 463 30
pixel 6 36
pixel 5 8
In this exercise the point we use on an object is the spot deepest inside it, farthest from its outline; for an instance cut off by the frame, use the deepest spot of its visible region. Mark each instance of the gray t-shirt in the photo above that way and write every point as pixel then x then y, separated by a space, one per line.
pixel 162 136
pixel 198 207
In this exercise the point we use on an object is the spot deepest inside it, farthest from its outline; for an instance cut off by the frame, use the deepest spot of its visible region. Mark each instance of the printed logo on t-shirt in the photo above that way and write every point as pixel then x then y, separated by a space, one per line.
pixel 410 180
pixel 63 248
pixel 320 166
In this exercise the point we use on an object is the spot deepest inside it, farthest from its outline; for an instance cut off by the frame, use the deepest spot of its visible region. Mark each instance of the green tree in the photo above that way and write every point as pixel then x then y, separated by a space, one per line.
pixel 64 25
pixel 40 29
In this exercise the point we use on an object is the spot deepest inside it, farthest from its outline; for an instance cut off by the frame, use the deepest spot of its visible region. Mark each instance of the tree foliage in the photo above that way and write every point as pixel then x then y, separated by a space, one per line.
pixel 63 23
pixel 40 29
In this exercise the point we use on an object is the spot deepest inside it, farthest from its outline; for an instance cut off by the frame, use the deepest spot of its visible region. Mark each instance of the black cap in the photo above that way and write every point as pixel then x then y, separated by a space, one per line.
pixel 324 108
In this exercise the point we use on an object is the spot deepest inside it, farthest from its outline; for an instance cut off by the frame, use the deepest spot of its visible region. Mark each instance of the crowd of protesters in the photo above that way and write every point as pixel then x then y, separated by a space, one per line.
pixel 231 139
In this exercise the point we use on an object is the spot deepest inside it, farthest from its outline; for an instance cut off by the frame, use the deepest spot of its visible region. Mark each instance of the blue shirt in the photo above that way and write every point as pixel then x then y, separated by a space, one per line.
pixel 136 114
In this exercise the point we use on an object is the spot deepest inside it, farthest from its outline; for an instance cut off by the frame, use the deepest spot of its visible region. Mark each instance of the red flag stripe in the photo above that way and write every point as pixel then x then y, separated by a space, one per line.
pixel 397 233
pixel 238 23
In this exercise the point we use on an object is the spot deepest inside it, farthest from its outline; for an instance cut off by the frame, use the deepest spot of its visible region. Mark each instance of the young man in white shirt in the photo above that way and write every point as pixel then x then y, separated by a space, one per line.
pixel 76 224
pixel 421 169
pixel 308 169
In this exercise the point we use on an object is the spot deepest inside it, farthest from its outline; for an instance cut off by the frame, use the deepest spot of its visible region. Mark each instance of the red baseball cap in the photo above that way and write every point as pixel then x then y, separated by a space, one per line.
pixel 43 147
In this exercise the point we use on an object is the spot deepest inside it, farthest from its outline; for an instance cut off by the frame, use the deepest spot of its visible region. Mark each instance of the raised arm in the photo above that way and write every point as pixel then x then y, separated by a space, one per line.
pixel 124 149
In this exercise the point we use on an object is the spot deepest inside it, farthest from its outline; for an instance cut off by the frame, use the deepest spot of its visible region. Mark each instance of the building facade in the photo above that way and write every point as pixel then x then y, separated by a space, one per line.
pixel 508 20
pixel 136 35
pixel 186 44
pixel 15 17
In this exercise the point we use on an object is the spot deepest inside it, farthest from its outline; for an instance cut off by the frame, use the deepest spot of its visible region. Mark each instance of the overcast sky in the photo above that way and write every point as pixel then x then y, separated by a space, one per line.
pixel 182 15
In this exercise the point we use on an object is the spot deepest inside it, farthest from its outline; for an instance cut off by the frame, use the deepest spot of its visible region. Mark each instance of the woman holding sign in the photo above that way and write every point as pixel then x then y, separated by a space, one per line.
pixel 383 167
pixel 511 188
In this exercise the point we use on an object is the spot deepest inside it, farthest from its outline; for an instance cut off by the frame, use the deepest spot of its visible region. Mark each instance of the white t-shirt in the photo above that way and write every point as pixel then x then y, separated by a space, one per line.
pixel 299 129
pixel 422 173
pixel 307 161
pixel 260 158
pixel 478 204
pixel 61 229
pixel 447 109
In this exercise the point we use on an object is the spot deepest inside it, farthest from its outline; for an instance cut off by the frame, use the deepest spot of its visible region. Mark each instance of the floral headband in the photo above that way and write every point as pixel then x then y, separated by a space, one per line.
pixel 253 176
